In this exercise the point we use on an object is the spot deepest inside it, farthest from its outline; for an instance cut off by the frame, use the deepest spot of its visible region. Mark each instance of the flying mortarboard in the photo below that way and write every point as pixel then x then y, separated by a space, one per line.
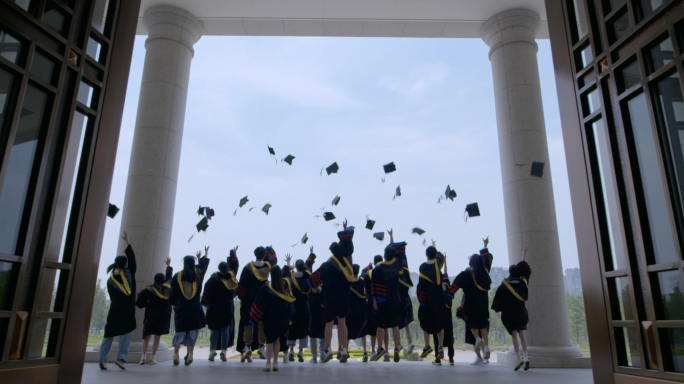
pixel 333 168
pixel 537 169
pixel 243 201
pixel 288 159
pixel 369 224
pixel 397 193
pixel 271 151
pixel 389 167
pixel 203 224
pixel 266 208
pixel 305 239
pixel 379 235
pixel 450 193
pixel 200 211
pixel 418 231
pixel 328 216
pixel 472 210
pixel 210 213
pixel 336 200
pixel 112 211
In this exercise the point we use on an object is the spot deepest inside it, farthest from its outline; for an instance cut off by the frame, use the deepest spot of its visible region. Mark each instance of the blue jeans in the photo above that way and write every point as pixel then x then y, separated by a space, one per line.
pixel 303 343
pixel 314 347
pixel 106 345
pixel 214 338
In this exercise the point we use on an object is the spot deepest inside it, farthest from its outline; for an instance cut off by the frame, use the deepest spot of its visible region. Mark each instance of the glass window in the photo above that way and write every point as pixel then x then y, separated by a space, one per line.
pixel 659 55
pixel 580 13
pixel 667 289
pixel 25 4
pixel 584 56
pixel 42 331
pixel 627 345
pixel 85 94
pixel 100 15
pixel 591 102
pixel 621 298
pixel 646 7
pixel 620 27
pixel 54 18
pixel 10 47
pixel 652 182
pixel 15 187
pixel 6 285
pixel 629 76
pixel 43 68
pixel 5 89
pixel 611 199
pixel 674 337
pixel 94 49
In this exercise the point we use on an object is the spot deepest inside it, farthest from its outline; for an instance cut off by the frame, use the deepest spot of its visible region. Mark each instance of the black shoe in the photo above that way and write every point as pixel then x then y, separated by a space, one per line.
pixel 365 357
pixel 527 365
pixel 396 355
pixel 426 352
pixel 381 352
pixel 520 364
pixel 103 365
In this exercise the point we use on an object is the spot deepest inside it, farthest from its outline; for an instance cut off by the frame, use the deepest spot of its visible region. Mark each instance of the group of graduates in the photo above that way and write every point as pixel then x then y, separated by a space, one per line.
pixel 281 308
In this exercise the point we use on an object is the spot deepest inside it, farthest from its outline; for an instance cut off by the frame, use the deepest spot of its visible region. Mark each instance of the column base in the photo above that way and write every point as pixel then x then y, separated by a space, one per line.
pixel 164 353
pixel 548 357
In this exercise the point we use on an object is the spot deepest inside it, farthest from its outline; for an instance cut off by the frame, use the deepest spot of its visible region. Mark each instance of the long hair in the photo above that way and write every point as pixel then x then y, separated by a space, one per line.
pixel 479 268
pixel 159 280
pixel 120 262
pixel 277 279
pixel 189 273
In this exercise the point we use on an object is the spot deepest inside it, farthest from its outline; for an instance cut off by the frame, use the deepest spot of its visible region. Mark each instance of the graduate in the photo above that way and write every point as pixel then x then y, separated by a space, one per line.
pixel 254 275
pixel 335 276
pixel 356 320
pixel 405 283
pixel 219 292
pixel 157 322
pixel 371 328
pixel 475 283
pixel 448 342
pixel 301 320
pixel 186 287
pixel 317 327
pixel 386 301
pixel 121 316
pixel 510 300
pixel 273 307
pixel 432 306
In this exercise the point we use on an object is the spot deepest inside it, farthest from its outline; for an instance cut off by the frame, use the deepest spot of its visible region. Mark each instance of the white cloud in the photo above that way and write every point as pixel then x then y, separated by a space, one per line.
pixel 416 84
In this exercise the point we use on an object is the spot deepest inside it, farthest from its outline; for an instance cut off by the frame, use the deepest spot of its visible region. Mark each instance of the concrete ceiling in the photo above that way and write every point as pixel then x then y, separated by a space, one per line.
pixel 370 18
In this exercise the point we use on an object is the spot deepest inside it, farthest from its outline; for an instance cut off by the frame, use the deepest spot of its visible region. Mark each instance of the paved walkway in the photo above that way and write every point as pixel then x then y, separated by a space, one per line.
pixel 353 372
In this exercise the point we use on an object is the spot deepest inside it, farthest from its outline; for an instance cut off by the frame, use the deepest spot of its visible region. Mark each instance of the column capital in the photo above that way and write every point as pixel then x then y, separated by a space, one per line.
pixel 167 22
pixel 512 26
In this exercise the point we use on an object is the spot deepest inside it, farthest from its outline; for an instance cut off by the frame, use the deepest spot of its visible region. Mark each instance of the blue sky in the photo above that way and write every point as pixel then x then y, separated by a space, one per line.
pixel 425 104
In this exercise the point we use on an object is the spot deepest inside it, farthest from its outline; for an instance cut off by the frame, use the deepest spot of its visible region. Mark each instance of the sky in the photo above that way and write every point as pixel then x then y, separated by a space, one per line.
pixel 425 104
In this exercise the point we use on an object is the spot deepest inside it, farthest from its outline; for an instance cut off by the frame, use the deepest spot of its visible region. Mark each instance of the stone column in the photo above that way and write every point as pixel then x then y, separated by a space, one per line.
pixel 528 200
pixel 155 157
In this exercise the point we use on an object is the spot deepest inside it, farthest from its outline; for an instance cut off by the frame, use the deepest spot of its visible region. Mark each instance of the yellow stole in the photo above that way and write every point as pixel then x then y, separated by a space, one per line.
pixel 232 283
pixel 357 294
pixel 348 271
pixel 289 298
pixel 512 290
pixel 259 275
pixel 180 285
pixel 475 281
pixel 159 294
pixel 296 284
pixel 125 288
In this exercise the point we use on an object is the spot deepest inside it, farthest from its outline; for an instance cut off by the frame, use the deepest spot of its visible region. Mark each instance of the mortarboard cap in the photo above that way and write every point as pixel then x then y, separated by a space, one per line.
pixel 288 159
pixel 389 167
pixel 210 213
pixel 200 211
pixel 472 210
pixel 336 200
pixel 333 168
pixel 537 169
pixel 369 224
pixel 305 239
pixel 112 211
pixel 397 193
pixel 243 201
pixel 271 151
pixel 266 208
pixel 418 231
pixel 328 216
pixel 202 225
pixel 450 193
pixel 379 235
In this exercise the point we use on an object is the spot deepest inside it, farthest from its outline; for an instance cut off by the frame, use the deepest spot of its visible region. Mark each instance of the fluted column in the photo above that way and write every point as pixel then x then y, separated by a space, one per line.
pixel 528 201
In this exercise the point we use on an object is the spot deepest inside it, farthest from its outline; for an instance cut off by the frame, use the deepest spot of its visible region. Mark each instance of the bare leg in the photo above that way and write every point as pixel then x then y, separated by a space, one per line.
pixel 328 335
pixel 427 339
pixel 523 341
pixel 386 339
pixel 485 337
pixel 146 341
pixel 373 340
pixel 440 338
pixel 514 336
pixel 476 333
pixel 396 334
pixel 409 338
pixel 269 353
pixel 276 348
pixel 342 332
pixel 381 338
pixel 155 344
pixel 363 342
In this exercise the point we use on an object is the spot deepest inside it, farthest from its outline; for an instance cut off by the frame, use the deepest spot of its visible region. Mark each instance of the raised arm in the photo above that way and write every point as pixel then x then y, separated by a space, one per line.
pixel 391 233
pixel 311 259
pixel 233 262
pixel 169 270
pixel 132 265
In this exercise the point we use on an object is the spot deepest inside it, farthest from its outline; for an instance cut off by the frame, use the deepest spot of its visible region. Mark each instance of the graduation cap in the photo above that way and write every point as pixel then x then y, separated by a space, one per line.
pixel 202 225
pixel 369 224
pixel 266 208
pixel 333 168
pixel 243 201
pixel 305 239
pixel 472 210
pixel 379 235
pixel 288 159
pixel 271 151
pixel 450 193
pixel 418 231
pixel 210 213
pixel 336 200
pixel 397 193
pixel 112 211
pixel 328 216
pixel 200 211
pixel 537 169
pixel 389 167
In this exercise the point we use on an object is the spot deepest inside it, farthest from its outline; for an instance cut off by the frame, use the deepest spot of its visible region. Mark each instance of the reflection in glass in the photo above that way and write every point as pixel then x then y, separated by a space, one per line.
pixel 652 182
pixel 78 133
pixel 611 199
pixel 85 94
pixel 580 19
pixel 10 48
pixel 675 338
pixel 100 15
pixel 629 76
pixel 646 7
pixel 19 168
pixel 41 330
pixel 53 17
pixel 592 102
pixel 669 292
pixel 43 67
pixel 94 49
pixel 613 4
pixel 5 88
pixel 6 287
pixel 621 293
pixel 627 345
pixel 620 27
pixel 660 55
pixel 584 57
pixel 25 4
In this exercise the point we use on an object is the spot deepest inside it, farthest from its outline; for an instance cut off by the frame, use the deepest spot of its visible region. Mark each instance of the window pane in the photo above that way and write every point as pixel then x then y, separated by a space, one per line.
pixel 54 18
pixel 4 325
pixel 675 339
pixel 7 275
pixel 85 94
pixel 78 133
pixel 580 12
pixel 620 27
pixel 591 101
pixel 646 7
pixel 652 181
pixel 43 68
pixel 25 4
pixel 10 48
pixel 667 288
pixel 94 49
pixel 43 330
pixel 629 76
pixel 627 346
pixel 584 56
pixel 100 15
pixel 660 55
pixel 19 168
pixel 5 89
pixel 622 307
pixel 612 4
pixel 611 199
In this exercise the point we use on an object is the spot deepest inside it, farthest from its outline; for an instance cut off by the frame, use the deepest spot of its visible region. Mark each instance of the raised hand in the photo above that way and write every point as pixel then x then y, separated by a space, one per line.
pixel 391 233
pixel 168 261
pixel 235 249
pixel 344 224
pixel 206 250
pixel 524 251
pixel 198 255
pixel 124 236
pixel 288 258
pixel 311 249
pixel 486 241
pixel 434 243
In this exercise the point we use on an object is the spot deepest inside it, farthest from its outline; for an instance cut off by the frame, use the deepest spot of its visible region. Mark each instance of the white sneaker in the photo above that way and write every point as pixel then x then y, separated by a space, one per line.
pixel 176 359
pixel 142 361
pixel 262 351
pixel 290 356
pixel 478 361
pixel 285 358
pixel 152 362
pixel 120 364
pixel 487 353
pixel 189 359
pixel 327 355
pixel 313 360
pixel 373 356
pixel 410 348
pixel 386 358
pixel 344 355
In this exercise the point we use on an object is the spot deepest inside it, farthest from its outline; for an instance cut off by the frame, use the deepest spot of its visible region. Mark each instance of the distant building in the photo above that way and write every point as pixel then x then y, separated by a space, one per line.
pixel 573 282
pixel 497 274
